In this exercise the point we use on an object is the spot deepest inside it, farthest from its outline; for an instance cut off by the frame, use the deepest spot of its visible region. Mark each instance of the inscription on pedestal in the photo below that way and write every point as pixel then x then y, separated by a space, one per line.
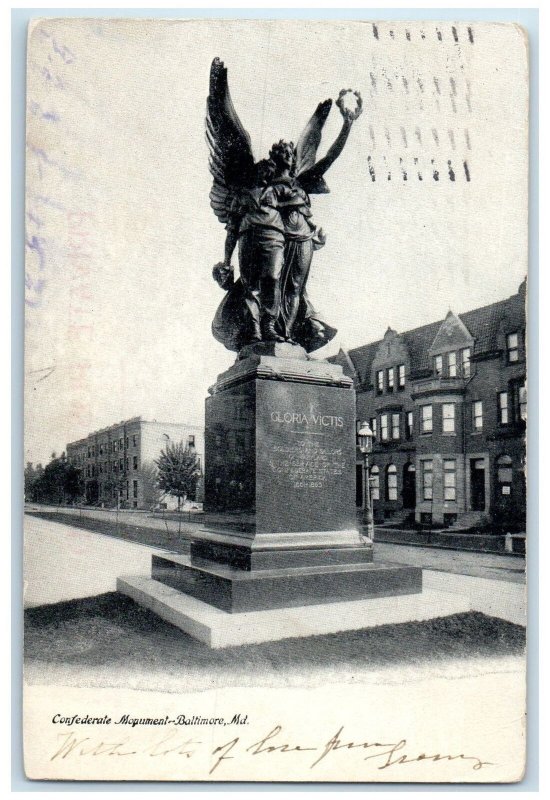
pixel 307 464
pixel 305 454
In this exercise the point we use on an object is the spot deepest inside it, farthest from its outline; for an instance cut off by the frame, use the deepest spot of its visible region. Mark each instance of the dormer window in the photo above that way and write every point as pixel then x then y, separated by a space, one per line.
pixel 512 348
pixel 465 362
pixel 380 381
pixel 438 365
pixel 452 365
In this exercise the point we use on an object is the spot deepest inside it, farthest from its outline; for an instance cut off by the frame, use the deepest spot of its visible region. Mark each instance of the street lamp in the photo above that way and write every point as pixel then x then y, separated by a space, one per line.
pixel 365 438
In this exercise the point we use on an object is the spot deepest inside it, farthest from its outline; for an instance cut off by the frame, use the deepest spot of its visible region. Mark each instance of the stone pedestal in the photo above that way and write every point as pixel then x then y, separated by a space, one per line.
pixel 280 526
pixel 279 453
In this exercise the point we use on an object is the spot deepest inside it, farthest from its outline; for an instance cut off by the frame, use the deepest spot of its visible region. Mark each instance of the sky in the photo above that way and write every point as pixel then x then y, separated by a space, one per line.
pixel 121 239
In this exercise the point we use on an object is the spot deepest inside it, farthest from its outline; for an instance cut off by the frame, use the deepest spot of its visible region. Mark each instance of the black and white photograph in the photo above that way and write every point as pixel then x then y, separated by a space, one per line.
pixel 275 402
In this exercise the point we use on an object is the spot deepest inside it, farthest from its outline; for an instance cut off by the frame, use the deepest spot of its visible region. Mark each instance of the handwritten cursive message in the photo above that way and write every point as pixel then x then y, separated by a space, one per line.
pixel 383 755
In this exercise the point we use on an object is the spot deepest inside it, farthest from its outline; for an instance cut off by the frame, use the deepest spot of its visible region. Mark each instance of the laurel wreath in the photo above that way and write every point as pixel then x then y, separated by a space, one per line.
pixel 352 115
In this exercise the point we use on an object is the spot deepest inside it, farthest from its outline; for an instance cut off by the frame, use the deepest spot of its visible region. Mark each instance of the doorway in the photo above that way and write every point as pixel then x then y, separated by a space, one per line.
pixel 477 483
pixel 409 486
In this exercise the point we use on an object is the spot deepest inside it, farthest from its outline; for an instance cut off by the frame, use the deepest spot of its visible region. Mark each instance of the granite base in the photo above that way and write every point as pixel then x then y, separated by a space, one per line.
pixel 217 629
pixel 236 590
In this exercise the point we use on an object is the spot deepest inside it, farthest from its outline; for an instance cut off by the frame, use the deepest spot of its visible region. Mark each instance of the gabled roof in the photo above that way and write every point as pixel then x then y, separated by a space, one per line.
pixel 452 335
pixel 485 324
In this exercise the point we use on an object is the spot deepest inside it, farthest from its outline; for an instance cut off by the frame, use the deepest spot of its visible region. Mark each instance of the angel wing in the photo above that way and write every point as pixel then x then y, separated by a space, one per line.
pixel 231 161
pixel 306 149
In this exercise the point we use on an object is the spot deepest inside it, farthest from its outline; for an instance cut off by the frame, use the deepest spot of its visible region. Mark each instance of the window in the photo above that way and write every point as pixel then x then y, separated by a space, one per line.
pixel 127 489
pixel 390 379
pixel 401 374
pixel 373 426
pixel 477 415
pixel 503 408
pixel 127 443
pixel 410 424
pixel 448 417
pixel 100 468
pixel 391 482
pixel 89 452
pixel 519 400
pixel 100 449
pixel 384 427
pixel 438 365
pixel 375 483
pixel 135 484
pixel 427 479
pixel 121 443
pixel 191 440
pixel 449 479
pixel 121 464
pixel 452 365
pixel 380 381
pixel 465 362
pixel 504 474
pixel 512 348
pixel 395 426
pixel 134 440
pixel 426 418
pixel 135 462
pixel 126 464
pixel 114 447
pixel 522 401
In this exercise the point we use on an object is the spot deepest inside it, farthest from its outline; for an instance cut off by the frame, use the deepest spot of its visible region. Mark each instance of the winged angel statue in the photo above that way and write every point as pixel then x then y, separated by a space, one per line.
pixel 266 209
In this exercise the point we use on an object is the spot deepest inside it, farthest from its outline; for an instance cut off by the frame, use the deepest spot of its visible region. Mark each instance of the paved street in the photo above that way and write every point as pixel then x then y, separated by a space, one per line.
pixel 480 565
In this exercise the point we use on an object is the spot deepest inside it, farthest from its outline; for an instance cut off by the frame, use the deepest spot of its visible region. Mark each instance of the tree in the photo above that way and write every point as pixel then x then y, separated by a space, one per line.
pixel 151 490
pixel 178 471
pixel 73 483
pixel 57 482
pixel 30 477
pixel 33 482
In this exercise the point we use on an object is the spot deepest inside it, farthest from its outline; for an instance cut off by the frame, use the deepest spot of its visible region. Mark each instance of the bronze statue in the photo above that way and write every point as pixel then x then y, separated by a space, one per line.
pixel 267 211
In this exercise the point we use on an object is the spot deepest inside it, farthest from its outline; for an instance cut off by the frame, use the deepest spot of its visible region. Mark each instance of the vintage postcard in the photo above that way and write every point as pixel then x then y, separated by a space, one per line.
pixel 275 401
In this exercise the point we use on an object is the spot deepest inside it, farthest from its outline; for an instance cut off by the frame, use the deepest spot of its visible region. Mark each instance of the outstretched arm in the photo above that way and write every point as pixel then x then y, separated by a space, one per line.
pixel 334 151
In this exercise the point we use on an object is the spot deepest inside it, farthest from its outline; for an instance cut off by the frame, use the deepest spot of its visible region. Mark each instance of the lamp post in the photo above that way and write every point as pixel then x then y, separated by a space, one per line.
pixel 365 437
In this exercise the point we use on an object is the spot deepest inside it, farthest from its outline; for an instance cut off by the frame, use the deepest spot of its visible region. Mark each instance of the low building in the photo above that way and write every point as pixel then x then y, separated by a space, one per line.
pixel 447 403
pixel 117 462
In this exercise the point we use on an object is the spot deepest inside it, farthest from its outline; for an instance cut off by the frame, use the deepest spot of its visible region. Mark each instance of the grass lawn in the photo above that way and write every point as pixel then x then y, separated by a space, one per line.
pixel 109 640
